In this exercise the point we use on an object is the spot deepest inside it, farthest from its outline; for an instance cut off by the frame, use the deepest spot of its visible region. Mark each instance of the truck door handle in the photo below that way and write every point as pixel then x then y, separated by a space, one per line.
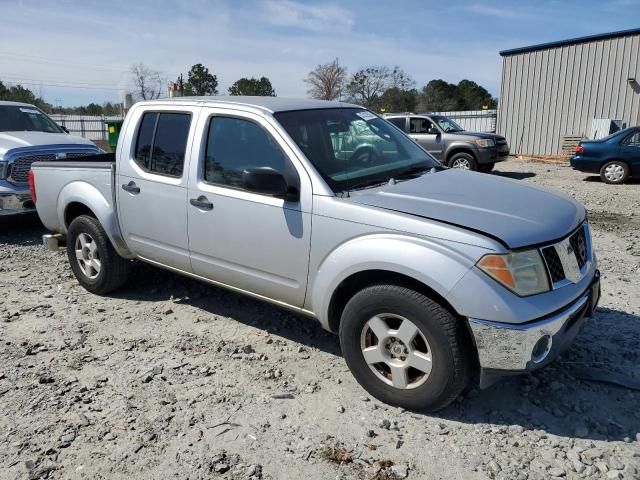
pixel 202 203
pixel 131 187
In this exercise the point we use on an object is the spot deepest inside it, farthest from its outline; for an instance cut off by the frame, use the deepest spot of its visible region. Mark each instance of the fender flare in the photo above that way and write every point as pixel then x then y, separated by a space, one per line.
pixel 427 261
pixel 89 196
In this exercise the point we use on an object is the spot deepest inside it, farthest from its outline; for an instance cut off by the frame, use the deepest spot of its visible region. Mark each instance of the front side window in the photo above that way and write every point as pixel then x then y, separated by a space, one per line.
pixel 351 147
pixel 162 142
pixel 234 145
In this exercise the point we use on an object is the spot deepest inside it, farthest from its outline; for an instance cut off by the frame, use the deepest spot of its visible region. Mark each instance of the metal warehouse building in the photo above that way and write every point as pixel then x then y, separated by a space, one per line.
pixel 554 91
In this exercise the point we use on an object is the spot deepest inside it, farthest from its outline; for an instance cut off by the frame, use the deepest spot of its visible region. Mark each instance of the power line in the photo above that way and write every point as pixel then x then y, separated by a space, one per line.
pixel 43 84
pixel 15 56
pixel 65 83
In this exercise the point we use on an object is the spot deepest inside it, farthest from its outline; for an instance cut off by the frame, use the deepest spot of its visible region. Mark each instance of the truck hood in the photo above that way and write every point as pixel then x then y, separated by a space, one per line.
pixel 516 214
pixel 11 140
pixel 466 133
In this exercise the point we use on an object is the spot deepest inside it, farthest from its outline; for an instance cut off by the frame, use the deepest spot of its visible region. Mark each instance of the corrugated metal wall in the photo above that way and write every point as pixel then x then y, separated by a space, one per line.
pixel 555 92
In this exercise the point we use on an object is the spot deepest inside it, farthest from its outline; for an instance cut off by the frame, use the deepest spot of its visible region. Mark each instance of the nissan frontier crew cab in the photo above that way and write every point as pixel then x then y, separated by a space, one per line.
pixel 427 274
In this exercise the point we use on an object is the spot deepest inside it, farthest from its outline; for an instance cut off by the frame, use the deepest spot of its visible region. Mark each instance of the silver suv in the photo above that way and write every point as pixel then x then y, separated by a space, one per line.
pixel 450 143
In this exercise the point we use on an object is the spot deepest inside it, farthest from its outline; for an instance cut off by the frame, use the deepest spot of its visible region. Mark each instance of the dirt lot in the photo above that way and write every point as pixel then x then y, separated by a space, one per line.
pixel 174 379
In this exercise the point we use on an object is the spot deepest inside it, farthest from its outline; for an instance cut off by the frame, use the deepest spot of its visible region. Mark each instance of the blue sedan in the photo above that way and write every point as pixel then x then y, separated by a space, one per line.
pixel 615 158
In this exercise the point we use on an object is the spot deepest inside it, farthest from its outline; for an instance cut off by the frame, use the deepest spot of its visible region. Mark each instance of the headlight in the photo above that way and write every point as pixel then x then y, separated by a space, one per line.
pixel 523 273
pixel 4 166
pixel 485 143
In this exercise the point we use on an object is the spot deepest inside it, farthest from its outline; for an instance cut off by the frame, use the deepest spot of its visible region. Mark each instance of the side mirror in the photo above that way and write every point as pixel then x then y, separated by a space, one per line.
pixel 433 131
pixel 268 181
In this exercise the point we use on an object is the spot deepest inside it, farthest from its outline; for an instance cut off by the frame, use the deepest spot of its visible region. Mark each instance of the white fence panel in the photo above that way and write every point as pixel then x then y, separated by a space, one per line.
pixel 91 127
pixel 473 120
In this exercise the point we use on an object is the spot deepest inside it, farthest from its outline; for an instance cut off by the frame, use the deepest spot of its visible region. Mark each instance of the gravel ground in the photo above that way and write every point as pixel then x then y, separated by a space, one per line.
pixel 170 378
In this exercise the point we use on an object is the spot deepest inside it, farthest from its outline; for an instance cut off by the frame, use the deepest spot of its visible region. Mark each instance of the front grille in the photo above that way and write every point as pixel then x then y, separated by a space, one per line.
pixel 578 242
pixel 19 168
pixel 567 260
pixel 556 272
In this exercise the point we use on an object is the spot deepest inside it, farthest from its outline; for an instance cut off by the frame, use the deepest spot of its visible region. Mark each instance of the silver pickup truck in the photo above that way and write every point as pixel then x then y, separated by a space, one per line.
pixel 427 274
pixel 27 135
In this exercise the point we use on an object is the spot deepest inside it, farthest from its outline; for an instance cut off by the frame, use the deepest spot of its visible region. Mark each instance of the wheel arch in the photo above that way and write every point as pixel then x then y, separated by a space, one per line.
pixel 455 149
pixel 81 198
pixel 365 278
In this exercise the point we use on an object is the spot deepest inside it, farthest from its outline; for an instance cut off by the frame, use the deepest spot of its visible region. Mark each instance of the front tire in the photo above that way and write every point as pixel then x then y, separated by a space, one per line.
pixel 94 261
pixel 404 348
pixel 614 172
pixel 463 161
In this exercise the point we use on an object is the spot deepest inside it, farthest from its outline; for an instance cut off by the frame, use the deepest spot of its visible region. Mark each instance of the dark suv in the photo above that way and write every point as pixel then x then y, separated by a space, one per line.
pixel 450 143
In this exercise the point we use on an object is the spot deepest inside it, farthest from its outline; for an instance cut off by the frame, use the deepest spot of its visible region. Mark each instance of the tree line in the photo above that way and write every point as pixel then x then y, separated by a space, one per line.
pixel 379 88
pixel 391 89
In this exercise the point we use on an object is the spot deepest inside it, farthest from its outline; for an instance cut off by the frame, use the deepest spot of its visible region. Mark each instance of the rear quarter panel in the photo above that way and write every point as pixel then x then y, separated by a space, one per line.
pixel 60 184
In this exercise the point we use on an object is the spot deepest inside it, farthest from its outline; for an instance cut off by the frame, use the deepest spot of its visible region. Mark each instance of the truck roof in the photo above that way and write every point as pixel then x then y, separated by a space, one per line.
pixel 268 104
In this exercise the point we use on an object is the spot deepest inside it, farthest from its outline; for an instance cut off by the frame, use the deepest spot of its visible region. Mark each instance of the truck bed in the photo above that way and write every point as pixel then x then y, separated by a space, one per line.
pixel 63 181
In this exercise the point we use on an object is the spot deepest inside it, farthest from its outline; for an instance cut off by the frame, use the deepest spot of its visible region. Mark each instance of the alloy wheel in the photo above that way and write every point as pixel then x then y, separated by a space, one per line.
pixel 461 163
pixel 396 351
pixel 87 255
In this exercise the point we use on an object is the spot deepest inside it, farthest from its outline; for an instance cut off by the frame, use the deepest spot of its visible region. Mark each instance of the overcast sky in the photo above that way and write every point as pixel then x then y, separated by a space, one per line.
pixel 74 52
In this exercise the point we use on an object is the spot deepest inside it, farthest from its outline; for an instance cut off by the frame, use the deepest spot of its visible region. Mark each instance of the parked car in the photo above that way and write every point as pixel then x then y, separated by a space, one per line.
pixel 27 134
pixel 426 273
pixel 615 158
pixel 450 143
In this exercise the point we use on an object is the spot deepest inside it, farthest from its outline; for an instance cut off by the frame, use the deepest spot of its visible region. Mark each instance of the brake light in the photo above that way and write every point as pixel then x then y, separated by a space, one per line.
pixel 579 149
pixel 32 186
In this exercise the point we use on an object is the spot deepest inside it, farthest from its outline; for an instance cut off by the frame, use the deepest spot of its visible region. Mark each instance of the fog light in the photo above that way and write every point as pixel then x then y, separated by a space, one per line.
pixel 541 349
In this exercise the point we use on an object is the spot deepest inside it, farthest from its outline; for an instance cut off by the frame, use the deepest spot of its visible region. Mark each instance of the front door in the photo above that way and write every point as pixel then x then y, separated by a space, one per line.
pixel 152 185
pixel 257 243
pixel 419 130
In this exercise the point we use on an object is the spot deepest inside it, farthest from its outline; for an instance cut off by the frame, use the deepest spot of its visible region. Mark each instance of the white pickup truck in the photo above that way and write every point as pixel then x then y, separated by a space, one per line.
pixel 28 135
pixel 428 274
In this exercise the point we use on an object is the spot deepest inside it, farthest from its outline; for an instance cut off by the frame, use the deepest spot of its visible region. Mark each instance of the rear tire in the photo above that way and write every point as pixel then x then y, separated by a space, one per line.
pixel 463 161
pixel 94 261
pixel 614 172
pixel 415 332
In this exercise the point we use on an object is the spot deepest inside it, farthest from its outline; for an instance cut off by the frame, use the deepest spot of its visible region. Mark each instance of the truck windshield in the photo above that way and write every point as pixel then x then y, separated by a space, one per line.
pixel 15 118
pixel 353 148
pixel 446 124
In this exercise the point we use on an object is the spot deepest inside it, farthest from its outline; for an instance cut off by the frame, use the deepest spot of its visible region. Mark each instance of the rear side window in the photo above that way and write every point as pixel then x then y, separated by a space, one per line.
pixel 162 143
pixel 399 122
pixel 632 140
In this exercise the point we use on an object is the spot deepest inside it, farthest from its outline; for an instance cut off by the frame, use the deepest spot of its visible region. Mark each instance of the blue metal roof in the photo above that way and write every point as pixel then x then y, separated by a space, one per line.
pixel 571 41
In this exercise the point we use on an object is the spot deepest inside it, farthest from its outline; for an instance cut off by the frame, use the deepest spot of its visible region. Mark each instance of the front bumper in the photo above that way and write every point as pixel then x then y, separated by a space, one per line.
pixel 505 349
pixel 14 202
pixel 493 154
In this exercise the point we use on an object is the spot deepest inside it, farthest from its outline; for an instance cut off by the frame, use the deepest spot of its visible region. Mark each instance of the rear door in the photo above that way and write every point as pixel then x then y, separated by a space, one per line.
pixel 419 128
pixel 152 184
pixel 254 242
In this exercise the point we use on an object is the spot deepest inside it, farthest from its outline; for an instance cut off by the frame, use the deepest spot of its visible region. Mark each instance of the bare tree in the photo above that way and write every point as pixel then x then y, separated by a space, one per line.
pixel 401 80
pixel 327 81
pixel 148 82
pixel 367 85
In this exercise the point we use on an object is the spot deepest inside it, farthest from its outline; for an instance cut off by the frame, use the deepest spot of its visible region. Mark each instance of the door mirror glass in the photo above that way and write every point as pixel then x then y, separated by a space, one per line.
pixel 268 181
